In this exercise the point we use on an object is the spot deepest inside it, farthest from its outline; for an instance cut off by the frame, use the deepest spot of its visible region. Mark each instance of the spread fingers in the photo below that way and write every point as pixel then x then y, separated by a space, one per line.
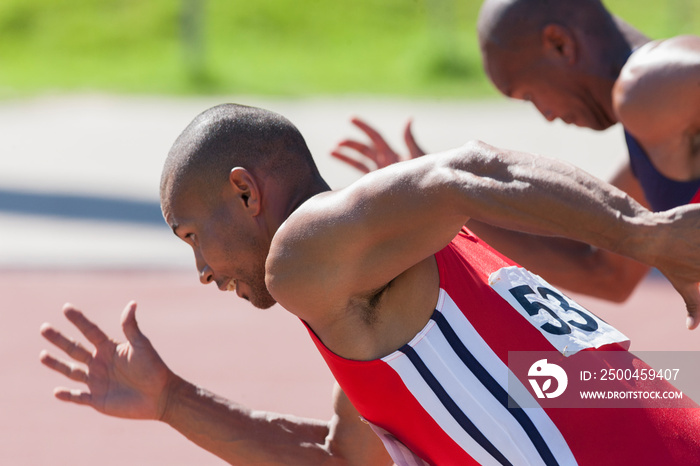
pixel 71 347
pixel 70 370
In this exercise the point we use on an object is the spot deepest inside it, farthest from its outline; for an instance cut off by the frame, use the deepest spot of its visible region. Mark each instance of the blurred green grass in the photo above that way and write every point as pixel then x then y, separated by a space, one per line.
pixel 269 47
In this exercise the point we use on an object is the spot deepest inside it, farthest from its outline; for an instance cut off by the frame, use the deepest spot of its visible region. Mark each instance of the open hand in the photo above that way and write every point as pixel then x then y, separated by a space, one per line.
pixel 377 151
pixel 126 379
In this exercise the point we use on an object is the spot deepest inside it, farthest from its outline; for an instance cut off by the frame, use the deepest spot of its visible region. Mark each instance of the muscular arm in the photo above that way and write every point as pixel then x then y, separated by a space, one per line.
pixel 393 218
pixel 243 436
pixel 573 265
pixel 129 380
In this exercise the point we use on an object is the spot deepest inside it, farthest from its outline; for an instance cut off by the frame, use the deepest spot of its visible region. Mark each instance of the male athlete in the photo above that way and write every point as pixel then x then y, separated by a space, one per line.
pixel 575 61
pixel 412 312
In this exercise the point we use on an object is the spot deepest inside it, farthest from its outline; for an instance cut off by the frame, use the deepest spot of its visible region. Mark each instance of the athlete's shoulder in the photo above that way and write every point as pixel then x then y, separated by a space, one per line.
pixel 673 49
pixel 659 63
pixel 301 251
pixel 653 95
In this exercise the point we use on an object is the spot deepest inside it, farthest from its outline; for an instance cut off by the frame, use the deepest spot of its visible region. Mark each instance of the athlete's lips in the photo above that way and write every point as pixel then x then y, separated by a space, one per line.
pixel 228 286
pixel 232 285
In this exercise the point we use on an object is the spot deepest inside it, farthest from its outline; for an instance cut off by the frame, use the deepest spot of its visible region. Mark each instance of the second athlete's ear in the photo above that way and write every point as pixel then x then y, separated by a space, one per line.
pixel 246 189
pixel 559 40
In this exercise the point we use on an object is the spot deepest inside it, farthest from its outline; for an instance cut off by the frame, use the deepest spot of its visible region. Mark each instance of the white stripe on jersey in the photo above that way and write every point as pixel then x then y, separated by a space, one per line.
pixel 399 452
pixel 487 413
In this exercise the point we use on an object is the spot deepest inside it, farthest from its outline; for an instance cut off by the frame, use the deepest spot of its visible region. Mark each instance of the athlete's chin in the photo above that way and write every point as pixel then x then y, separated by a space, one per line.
pixel 263 301
pixel 600 123
pixel 594 125
pixel 255 292
pixel 607 125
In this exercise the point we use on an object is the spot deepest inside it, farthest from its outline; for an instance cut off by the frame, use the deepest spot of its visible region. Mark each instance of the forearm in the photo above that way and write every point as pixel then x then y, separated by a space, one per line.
pixel 572 265
pixel 522 192
pixel 242 436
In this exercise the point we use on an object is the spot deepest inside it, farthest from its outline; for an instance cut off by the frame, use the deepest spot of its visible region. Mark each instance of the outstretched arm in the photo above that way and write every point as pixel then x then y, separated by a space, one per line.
pixel 129 379
pixel 573 265
pixel 125 379
pixel 377 153
pixel 391 219
pixel 243 436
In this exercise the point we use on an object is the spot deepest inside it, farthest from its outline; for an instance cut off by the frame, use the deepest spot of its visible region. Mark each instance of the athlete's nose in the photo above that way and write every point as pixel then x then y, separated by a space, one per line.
pixel 205 275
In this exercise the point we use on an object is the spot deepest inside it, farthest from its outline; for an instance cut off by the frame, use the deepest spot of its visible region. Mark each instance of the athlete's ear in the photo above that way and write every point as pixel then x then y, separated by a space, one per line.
pixel 245 189
pixel 559 42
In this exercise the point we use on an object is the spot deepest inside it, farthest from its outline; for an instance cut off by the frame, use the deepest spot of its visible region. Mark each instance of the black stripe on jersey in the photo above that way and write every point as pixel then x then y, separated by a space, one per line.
pixel 451 406
pixel 494 388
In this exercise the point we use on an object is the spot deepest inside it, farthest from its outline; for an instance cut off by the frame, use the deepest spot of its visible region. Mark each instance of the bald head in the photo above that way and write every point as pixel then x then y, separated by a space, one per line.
pixel 230 135
pixel 562 55
pixel 512 24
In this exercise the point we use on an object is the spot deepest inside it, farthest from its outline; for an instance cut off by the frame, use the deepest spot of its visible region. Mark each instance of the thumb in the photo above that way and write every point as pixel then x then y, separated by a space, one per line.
pixel 129 326
pixel 414 150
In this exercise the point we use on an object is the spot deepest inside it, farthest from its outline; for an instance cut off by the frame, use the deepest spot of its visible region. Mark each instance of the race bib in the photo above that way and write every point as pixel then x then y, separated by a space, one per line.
pixel 568 326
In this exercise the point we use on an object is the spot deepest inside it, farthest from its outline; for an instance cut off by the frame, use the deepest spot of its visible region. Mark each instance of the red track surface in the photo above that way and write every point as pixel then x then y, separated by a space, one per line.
pixel 263 359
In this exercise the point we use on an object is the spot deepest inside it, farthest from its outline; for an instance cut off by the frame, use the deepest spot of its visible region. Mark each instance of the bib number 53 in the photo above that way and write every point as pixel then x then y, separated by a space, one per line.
pixel 566 325
pixel 533 307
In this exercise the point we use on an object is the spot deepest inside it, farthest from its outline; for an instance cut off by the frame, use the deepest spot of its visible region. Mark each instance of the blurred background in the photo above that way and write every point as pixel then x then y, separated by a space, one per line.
pixel 265 47
pixel 92 95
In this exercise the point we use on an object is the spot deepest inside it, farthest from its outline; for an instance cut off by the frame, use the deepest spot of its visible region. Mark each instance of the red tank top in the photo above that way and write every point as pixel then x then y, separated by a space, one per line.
pixel 443 398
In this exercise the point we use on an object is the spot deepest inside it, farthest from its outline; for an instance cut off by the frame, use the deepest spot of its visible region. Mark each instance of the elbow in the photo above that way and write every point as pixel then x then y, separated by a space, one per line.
pixel 609 290
pixel 615 283
pixel 596 273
